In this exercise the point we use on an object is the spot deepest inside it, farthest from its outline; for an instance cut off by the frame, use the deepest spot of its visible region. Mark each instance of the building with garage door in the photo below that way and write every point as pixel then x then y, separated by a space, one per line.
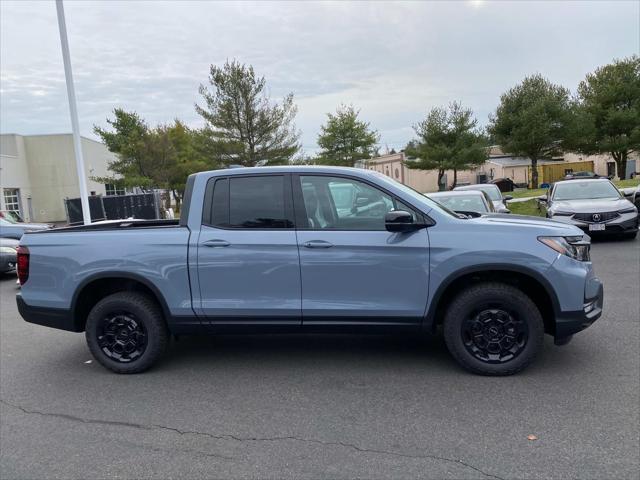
pixel 37 173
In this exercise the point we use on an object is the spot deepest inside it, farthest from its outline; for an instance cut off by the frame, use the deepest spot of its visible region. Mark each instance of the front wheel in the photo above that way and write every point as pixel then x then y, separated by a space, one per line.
pixel 126 332
pixel 493 329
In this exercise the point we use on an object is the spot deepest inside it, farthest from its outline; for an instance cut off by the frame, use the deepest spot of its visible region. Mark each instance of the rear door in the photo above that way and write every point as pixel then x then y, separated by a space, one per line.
pixel 248 264
pixel 353 270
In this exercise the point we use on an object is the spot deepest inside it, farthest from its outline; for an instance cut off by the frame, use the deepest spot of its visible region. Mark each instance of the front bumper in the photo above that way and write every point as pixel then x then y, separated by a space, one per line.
pixel 625 223
pixel 569 323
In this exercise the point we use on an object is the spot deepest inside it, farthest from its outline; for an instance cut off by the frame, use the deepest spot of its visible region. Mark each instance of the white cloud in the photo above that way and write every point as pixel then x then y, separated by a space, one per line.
pixel 393 60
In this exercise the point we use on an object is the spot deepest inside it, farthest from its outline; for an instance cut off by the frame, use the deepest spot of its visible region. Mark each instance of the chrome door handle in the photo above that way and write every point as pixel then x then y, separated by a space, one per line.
pixel 317 244
pixel 216 243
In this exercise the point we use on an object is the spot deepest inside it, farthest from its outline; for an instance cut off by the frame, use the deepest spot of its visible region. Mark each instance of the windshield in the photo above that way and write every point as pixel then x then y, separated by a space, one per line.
pixel 458 203
pixel 492 191
pixel 588 190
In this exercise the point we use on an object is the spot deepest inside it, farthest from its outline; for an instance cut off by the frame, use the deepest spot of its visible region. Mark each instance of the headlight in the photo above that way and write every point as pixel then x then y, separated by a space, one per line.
pixel 573 247
pixel 7 250
pixel 560 214
pixel 628 210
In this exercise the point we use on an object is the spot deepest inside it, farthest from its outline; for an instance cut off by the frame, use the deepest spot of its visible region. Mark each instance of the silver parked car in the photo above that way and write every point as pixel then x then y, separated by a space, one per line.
pixel 8 253
pixel 594 205
pixel 499 202
pixel 466 202
pixel 12 229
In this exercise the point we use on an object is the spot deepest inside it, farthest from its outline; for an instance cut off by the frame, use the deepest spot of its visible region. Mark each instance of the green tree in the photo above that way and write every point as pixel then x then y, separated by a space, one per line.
pixel 160 157
pixel 448 139
pixel 533 119
pixel 345 139
pixel 129 140
pixel 183 152
pixel 244 126
pixel 609 112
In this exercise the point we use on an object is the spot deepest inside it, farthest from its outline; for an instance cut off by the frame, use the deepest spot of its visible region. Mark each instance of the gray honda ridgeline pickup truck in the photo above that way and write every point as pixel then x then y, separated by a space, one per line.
pixel 312 249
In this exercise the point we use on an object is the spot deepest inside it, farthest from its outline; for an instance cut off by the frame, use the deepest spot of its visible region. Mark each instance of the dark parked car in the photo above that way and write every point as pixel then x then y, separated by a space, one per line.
pixel 467 202
pixel 499 201
pixel 581 175
pixel 8 252
pixel 632 194
pixel 594 205
pixel 504 184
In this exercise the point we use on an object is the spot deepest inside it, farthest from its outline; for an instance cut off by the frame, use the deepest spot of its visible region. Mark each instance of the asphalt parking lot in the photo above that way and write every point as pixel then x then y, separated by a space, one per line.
pixel 327 407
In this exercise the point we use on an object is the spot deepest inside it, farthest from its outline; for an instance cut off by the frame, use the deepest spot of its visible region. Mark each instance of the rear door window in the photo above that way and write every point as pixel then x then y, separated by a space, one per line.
pixel 258 202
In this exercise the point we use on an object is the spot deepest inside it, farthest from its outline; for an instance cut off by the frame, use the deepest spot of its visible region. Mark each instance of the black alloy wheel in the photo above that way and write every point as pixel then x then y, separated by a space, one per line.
pixel 494 335
pixel 121 337
pixel 493 328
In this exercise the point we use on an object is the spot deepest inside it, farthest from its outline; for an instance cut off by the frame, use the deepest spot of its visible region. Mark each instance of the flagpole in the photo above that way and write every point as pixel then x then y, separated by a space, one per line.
pixel 73 110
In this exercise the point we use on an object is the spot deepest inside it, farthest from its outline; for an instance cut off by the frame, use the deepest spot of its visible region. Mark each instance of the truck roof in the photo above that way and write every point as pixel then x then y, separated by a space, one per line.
pixel 290 169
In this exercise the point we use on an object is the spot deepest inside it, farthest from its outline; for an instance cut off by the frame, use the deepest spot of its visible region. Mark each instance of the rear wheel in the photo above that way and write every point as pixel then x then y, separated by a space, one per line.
pixel 126 332
pixel 493 329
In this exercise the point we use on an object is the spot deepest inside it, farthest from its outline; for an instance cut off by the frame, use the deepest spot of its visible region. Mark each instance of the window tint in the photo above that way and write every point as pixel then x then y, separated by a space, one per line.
pixel 250 202
pixel 344 204
pixel 220 206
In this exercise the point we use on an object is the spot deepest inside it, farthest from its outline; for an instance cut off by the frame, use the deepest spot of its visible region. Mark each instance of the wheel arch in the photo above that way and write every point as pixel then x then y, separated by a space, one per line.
pixel 99 285
pixel 535 286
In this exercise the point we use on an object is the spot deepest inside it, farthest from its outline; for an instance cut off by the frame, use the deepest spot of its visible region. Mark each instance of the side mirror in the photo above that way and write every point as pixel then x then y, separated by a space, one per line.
pixel 507 198
pixel 628 193
pixel 400 221
pixel 542 199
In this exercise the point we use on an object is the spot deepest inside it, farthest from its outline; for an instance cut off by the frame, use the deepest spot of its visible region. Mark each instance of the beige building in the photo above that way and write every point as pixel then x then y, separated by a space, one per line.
pixel 605 165
pixel 393 165
pixel 37 172
pixel 498 165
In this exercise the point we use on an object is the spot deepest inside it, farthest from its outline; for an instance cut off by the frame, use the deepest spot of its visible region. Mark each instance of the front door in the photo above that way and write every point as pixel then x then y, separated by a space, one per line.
pixel 353 270
pixel 248 267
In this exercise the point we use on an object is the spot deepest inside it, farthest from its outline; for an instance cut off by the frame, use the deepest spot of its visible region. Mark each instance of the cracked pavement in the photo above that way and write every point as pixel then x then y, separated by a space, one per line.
pixel 326 406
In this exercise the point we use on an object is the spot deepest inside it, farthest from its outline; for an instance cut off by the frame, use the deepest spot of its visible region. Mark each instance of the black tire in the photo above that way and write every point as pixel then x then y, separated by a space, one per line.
pixel 478 314
pixel 139 320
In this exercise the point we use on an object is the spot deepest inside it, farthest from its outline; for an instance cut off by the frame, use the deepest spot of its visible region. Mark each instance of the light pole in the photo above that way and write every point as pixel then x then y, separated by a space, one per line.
pixel 73 110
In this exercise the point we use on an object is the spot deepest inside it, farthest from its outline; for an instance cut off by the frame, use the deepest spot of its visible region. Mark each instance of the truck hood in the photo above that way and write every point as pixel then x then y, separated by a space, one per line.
pixel 591 205
pixel 540 226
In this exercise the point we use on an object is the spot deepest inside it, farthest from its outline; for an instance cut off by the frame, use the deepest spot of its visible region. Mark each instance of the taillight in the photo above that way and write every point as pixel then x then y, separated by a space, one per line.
pixel 23 264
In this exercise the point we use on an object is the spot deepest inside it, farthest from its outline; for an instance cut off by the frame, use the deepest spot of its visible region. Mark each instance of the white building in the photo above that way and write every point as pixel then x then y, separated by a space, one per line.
pixel 37 172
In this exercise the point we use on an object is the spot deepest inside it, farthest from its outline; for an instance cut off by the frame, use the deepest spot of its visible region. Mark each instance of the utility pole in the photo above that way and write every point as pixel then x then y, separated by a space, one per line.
pixel 73 110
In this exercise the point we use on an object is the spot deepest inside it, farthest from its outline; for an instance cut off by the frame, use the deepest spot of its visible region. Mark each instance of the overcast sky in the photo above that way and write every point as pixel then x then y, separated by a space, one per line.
pixel 394 61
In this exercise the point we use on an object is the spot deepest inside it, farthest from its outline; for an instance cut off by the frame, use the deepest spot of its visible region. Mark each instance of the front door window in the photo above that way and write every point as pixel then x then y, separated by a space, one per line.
pixel 337 203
